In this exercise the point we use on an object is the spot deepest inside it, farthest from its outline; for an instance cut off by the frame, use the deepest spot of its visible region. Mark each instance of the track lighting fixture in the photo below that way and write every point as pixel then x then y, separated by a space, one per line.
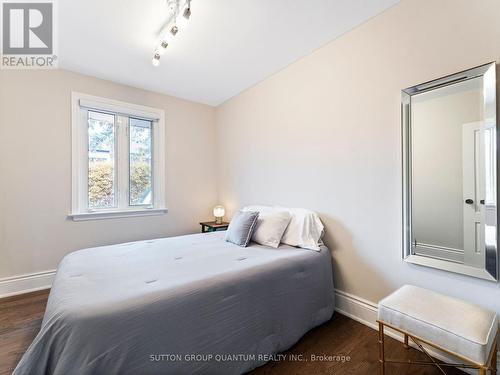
pixel 181 15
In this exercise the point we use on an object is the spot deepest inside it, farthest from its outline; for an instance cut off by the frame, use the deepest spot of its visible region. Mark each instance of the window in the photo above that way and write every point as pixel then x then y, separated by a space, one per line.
pixel 101 160
pixel 118 159
pixel 140 162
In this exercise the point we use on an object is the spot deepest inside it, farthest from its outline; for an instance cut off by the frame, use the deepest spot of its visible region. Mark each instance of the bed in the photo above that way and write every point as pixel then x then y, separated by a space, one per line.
pixel 192 304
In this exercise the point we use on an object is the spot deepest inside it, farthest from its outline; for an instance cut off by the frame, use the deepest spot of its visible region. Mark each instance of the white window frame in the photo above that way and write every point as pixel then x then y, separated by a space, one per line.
pixel 80 105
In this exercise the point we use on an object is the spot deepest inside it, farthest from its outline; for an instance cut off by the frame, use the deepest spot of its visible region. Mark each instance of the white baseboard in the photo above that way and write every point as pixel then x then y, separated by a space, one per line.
pixel 365 312
pixel 356 308
pixel 20 284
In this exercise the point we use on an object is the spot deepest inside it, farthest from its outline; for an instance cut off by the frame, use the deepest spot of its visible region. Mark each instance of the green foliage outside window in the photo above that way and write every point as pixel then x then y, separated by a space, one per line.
pixel 140 182
pixel 101 183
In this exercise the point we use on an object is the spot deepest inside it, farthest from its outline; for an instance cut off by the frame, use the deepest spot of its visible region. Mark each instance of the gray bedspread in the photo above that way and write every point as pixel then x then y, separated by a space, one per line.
pixel 183 305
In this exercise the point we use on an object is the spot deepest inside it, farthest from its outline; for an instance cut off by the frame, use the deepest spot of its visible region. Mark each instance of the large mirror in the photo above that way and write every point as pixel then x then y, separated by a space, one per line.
pixel 449 173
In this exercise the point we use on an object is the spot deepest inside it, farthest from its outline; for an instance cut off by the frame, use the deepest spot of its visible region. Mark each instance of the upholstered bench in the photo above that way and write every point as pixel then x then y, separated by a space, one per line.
pixel 455 327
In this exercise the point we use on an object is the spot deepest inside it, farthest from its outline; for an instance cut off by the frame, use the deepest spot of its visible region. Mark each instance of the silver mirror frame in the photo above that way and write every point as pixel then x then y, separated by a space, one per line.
pixel 488 71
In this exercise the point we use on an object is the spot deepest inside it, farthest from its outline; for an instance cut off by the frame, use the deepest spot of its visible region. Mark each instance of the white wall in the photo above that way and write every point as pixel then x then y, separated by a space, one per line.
pixel 35 170
pixel 324 133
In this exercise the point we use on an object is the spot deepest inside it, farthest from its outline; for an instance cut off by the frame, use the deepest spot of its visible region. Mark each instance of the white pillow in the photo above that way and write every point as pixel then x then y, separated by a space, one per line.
pixel 304 230
pixel 259 208
pixel 270 227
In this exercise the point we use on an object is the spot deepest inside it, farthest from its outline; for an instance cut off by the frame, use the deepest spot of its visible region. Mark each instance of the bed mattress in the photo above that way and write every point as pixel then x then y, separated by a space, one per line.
pixel 192 304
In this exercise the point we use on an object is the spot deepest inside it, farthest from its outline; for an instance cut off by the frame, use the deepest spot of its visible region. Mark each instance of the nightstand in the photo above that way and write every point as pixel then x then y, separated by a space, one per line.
pixel 212 226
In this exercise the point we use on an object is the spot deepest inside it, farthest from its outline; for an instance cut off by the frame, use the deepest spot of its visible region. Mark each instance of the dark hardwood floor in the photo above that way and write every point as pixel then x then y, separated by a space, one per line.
pixel 353 343
pixel 20 319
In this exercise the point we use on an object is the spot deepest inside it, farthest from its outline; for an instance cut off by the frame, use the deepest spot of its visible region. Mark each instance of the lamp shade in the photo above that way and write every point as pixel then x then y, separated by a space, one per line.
pixel 219 211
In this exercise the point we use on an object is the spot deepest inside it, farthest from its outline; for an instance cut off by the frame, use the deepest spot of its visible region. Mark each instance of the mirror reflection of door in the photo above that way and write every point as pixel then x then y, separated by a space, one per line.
pixel 452 156
pixel 477 139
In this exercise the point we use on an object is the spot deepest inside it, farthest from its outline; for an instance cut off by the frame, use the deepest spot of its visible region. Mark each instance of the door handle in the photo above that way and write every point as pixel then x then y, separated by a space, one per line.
pixel 481 201
pixel 469 201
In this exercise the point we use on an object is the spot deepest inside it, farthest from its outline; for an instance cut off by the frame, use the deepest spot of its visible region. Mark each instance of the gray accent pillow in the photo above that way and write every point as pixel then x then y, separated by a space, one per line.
pixel 241 227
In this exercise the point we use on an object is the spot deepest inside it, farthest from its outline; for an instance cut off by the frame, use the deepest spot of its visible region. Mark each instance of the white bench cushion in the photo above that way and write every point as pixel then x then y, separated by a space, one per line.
pixel 453 324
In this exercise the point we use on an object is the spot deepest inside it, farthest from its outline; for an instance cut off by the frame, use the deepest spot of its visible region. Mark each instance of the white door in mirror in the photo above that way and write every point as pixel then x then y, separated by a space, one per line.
pixel 475 158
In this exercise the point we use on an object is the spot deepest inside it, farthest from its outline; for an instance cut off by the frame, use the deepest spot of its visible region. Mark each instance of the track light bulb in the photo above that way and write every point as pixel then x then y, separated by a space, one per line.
pixel 156 59
pixel 162 48
pixel 187 13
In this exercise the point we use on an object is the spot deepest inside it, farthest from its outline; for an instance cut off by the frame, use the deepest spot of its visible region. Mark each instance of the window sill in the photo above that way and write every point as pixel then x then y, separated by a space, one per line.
pixel 116 214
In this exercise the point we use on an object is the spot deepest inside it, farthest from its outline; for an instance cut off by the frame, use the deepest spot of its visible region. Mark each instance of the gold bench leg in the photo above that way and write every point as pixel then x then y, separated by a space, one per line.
pixel 381 358
pixel 482 370
pixel 405 345
pixel 494 360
